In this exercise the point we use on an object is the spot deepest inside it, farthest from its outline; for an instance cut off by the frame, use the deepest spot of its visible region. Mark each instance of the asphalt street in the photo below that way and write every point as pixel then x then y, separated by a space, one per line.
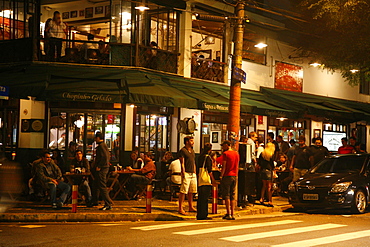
pixel 276 229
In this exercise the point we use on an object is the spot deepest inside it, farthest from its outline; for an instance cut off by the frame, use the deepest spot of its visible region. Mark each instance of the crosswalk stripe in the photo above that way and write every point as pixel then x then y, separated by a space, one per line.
pixel 236 227
pixel 246 237
pixel 166 226
pixel 111 224
pixel 33 226
pixel 326 240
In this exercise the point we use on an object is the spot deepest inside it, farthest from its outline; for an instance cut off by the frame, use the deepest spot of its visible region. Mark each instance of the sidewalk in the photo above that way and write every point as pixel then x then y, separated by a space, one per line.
pixel 162 210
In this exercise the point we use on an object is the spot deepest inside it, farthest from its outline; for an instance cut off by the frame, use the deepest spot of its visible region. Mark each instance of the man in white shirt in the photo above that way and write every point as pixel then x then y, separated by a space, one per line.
pixel 57 30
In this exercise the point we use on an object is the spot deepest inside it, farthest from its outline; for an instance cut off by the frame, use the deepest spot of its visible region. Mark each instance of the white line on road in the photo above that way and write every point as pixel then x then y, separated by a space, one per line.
pixel 112 224
pixel 33 226
pixel 268 234
pixel 326 240
pixel 165 226
pixel 236 227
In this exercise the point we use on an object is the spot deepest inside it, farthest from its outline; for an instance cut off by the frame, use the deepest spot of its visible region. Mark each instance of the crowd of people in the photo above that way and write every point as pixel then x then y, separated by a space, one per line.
pixel 185 170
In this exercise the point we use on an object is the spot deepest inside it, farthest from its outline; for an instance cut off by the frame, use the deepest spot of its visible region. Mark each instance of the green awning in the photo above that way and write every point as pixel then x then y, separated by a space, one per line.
pixel 50 81
pixel 344 111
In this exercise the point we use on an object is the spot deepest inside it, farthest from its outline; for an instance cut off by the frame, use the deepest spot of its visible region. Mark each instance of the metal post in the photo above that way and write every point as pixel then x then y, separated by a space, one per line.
pixel 149 189
pixel 74 198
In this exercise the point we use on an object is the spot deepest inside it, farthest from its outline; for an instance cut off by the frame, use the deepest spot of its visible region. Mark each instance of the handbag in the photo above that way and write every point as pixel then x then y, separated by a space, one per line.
pixel 204 178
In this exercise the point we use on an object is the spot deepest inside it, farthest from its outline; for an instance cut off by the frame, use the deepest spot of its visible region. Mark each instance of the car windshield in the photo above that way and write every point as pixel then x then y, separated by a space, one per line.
pixel 340 165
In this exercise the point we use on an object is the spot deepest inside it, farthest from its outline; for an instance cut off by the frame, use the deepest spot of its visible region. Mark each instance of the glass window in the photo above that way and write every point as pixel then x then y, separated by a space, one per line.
pixel 14 22
pixel 151 133
pixel 78 131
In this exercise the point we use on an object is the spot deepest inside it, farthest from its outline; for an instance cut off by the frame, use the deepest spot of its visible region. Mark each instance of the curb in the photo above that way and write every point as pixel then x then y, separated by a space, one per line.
pixel 111 217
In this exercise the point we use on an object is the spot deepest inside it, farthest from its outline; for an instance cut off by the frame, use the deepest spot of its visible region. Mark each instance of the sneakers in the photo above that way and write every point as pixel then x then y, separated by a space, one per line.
pixel 228 217
pixel 106 207
pixel 54 205
pixel 59 204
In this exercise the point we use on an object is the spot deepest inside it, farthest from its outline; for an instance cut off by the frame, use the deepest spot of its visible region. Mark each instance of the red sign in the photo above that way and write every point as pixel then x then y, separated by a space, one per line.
pixel 288 77
pixel 110 119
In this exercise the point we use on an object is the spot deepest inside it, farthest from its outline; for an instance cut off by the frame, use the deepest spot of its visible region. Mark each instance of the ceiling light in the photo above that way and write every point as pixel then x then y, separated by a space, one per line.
pixel 142 8
pixel 315 64
pixel 354 71
pixel 282 118
pixel 261 45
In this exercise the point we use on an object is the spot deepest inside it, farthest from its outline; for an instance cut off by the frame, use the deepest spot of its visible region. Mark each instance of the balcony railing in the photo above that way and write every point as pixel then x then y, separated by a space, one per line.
pixel 89 52
pixel 208 69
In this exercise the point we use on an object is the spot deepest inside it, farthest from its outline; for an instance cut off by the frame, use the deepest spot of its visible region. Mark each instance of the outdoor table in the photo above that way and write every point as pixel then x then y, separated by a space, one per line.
pixel 122 179
pixel 73 177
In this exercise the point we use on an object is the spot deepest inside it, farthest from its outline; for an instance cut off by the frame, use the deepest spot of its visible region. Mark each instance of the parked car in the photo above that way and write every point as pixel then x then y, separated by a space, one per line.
pixel 338 181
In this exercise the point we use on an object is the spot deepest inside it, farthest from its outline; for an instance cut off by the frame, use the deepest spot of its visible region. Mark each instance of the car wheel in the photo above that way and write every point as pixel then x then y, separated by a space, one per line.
pixel 359 202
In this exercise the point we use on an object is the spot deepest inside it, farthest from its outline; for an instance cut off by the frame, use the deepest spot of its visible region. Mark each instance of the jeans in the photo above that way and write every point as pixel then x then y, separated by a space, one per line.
pixel 86 188
pixel 64 187
pixel 102 185
pixel 136 179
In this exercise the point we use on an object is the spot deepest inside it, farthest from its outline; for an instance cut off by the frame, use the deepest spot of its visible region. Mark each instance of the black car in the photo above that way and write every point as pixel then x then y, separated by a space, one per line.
pixel 338 181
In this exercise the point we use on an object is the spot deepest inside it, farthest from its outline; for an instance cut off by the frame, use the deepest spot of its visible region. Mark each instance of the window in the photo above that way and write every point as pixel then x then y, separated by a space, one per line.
pixel 14 23
pixel 250 52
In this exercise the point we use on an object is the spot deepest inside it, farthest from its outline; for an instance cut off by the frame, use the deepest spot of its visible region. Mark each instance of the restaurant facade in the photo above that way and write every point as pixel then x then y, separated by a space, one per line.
pixel 147 97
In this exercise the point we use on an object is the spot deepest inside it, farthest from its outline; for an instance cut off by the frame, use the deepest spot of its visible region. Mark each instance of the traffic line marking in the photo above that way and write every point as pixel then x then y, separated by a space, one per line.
pixel 267 234
pixel 113 224
pixel 33 226
pixel 166 226
pixel 237 227
pixel 326 240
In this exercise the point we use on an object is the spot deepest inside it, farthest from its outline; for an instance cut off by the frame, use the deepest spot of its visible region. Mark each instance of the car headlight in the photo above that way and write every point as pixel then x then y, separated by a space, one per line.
pixel 341 187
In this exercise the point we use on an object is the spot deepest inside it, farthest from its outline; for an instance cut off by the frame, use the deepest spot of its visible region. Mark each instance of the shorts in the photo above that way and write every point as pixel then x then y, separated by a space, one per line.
pixel 228 187
pixel 189 183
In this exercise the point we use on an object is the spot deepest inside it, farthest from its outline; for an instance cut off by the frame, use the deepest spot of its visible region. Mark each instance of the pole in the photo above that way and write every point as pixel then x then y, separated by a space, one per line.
pixel 149 189
pixel 235 87
pixel 214 199
pixel 74 198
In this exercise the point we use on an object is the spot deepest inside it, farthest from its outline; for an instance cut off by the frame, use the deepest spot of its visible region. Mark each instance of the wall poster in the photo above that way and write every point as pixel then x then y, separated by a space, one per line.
pixel 288 77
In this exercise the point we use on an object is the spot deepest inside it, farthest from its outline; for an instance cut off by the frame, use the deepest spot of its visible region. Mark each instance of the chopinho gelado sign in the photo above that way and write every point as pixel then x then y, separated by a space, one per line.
pixel 87 97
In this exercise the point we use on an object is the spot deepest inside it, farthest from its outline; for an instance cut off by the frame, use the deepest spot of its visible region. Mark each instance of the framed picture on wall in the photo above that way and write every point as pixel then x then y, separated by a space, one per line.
pixel 89 12
pixel 82 13
pixel 261 134
pixel 65 15
pixel 316 133
pixel 107 10
pixel 74 14
pixel 99 10
pixel 214 137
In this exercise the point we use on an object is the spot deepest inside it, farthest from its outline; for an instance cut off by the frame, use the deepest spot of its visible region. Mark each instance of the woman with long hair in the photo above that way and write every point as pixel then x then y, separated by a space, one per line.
pixel 266 163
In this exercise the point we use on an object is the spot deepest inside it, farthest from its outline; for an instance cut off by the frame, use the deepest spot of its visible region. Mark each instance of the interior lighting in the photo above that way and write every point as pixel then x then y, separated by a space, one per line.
pixel 132 105
pixel 315 64
pixel 142 8
pixel 261 45
pixel 354 71
pixel 282 118
pixel 6 13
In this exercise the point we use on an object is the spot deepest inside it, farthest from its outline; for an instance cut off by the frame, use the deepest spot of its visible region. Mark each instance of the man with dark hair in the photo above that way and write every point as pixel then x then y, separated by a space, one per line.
pixel 345 148
pixel 270 138
pixel 352 141
pixel 143 175
pixel 318 151
pixel 188 172
pixel 283 145
pixel 229 173
pixel 83 165
pixel 102 168
pixel 301 161
pixel 48 173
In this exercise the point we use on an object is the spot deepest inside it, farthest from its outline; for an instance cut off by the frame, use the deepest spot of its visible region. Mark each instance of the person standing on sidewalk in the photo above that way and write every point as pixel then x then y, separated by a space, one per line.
pixel 102 169
pixel 229 173
pixel 204 191
pixel 189 178
pixel 301 161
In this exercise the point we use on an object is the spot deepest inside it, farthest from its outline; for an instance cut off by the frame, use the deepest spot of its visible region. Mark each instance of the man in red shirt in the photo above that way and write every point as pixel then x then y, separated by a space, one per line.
pixel 345 149
pixel 229 173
